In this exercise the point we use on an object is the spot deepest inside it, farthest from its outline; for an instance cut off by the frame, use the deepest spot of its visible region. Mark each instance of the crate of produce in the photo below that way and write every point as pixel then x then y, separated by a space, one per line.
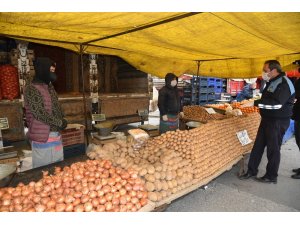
pixel 74 150
pixel 73 134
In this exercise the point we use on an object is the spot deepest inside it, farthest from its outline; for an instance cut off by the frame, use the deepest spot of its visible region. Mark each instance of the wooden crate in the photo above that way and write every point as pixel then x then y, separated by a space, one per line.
pixel 14 113
pixel 72 136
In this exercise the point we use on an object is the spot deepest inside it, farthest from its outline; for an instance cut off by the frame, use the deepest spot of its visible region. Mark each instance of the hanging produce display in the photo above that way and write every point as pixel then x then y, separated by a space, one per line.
pixel 9 82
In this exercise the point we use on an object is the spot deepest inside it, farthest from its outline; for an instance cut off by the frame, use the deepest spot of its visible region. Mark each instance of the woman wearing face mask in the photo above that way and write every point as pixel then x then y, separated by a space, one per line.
pixel 169 104
pixel 44 116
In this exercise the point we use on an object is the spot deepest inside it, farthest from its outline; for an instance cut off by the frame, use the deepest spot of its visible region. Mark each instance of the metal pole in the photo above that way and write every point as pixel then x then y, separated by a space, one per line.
pixel 83 94
pixel 198 64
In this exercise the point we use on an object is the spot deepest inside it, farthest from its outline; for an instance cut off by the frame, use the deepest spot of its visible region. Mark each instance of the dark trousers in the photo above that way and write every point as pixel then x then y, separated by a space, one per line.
pixel 297 132
pixel 270 134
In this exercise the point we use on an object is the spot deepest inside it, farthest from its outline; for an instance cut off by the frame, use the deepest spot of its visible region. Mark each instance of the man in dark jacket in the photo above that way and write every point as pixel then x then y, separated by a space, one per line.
pixel 275 106
pixel 169 104
pixel 296 118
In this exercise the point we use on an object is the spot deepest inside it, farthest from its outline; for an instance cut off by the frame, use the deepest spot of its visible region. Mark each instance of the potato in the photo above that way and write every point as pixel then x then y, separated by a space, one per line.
pixel 158 185
pixel 150 186
pixel 150 177
pixel 143 172
pixel 151 169
pixel 170 184
pixel 152 196
pixel 165 186
pixel 169 175
pixel 157 175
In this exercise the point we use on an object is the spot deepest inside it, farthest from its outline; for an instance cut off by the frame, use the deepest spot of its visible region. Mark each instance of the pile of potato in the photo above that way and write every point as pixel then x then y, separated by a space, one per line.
pixel 176 160
pixel 198 113
pixel 164 171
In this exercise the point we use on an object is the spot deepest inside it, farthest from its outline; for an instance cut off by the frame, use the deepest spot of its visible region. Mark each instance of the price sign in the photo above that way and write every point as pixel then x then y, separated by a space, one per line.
pixel 243 137
pixel 210 110
pixel 4 123
pixel 98 117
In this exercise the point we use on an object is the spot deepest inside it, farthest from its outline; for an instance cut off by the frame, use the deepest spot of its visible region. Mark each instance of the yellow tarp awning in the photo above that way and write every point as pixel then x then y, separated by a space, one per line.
pixel 231 45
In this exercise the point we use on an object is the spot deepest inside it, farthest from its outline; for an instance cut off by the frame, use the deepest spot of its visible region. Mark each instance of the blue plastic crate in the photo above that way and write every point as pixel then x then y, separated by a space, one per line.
pixel 219 82
pixel 211 82
pixel 203 97
pixel 218 89
pixel 211 90
pixel 217 96
pixel 202 102
pixel 210 97
pixel 203 90
pixel 203 82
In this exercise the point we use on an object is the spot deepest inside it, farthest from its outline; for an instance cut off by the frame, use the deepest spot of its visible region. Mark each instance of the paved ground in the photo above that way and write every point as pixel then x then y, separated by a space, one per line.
pixel 229 194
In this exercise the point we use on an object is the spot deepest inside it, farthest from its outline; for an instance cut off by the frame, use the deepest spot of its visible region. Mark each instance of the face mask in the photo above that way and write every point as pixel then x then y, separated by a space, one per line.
pixel 52 76
pixel 173 83
pixel 265 76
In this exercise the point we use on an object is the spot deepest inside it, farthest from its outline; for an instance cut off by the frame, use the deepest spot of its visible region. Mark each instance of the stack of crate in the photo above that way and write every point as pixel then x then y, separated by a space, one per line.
pixel 203 90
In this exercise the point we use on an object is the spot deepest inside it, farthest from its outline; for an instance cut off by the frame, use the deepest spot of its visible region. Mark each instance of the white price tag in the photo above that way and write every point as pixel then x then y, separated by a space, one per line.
pixel 4 123
pixel 243 137
pixel 210 110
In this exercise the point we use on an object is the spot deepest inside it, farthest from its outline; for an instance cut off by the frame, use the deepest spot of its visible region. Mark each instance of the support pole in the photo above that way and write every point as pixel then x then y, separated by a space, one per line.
pixel 198 67
pixel 83 94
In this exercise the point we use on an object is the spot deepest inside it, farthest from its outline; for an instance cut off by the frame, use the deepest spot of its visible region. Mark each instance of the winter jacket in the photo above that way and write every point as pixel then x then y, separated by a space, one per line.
pixel 277 98
pixel 296 108
pixel 246 93
pixel 168 97
pixel 43 113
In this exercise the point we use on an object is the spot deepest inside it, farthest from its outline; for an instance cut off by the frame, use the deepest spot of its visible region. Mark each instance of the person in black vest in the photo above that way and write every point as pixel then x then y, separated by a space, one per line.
pixel 296 118
pixel 169 105
pixel 276 109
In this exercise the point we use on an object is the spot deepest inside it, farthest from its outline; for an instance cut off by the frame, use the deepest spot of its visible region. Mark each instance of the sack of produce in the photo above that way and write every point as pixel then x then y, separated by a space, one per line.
pixel 9 82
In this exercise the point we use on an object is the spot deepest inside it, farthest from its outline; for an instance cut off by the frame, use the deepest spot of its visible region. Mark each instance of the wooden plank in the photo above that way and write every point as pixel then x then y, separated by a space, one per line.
pixel 123 107
pixel 193 187
pixel 147 208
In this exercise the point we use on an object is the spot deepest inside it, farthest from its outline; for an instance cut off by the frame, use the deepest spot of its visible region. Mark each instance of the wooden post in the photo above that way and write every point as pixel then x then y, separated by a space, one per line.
pixel 107 73
pixel 83 94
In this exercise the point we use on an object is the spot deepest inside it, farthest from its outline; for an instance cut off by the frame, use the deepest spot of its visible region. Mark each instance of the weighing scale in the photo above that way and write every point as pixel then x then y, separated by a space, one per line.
pixel 100 118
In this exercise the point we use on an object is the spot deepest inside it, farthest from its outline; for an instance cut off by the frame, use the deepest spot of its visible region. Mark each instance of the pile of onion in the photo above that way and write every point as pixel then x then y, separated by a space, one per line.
pixel 91 186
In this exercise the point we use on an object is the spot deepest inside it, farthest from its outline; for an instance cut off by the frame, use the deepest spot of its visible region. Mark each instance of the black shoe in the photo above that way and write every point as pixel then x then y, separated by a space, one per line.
pixel 267 180
pixel 296 176
pixel 246 176
pixel 296 170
